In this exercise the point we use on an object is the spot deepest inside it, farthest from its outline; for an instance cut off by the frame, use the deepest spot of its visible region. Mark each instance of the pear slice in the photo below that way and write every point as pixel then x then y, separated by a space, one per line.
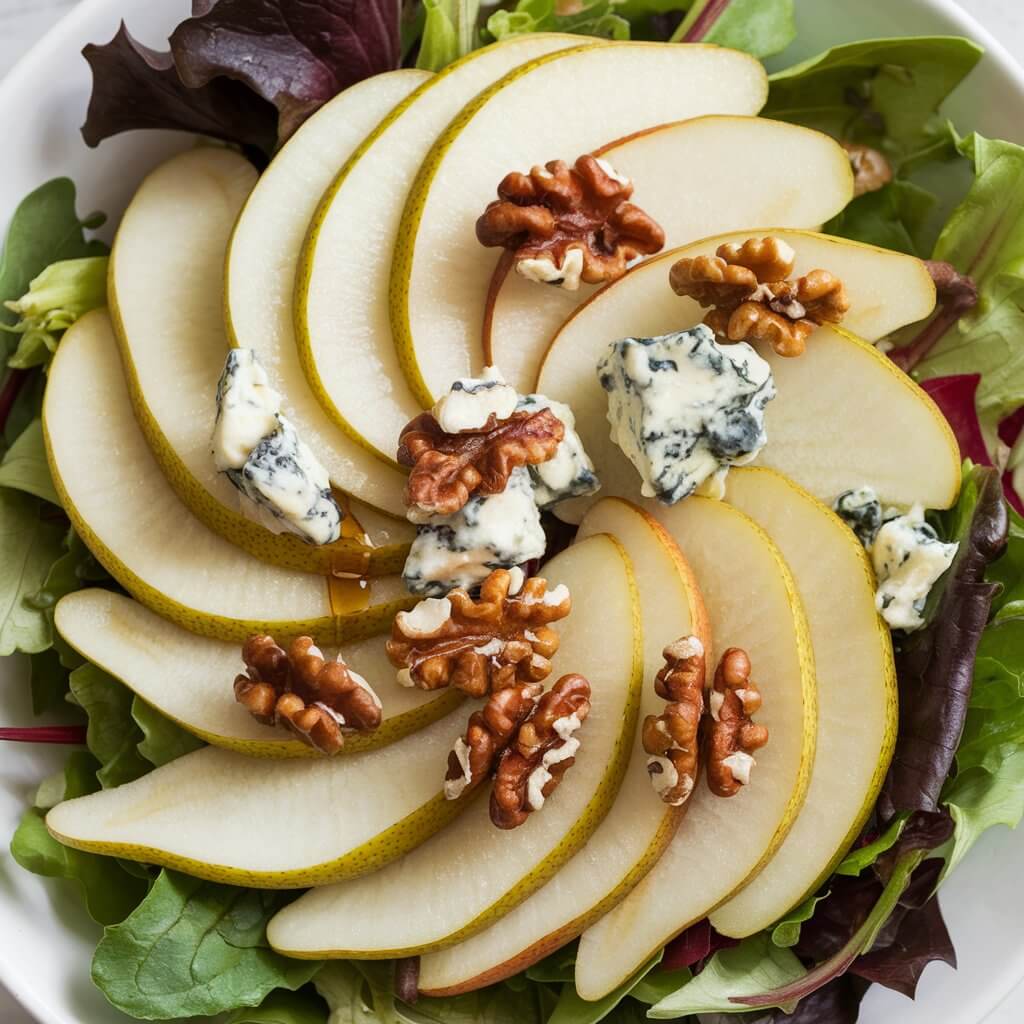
pixel 147 654
pixel 341 297
pixel 473 873
pixel 856 694
pixel 165 303
pixel 629 841
pixel 264 258
pixel 555 107
pixel 123 507
pixel 800 178
pixel 753 603
pixel 271 824
pixel 844 416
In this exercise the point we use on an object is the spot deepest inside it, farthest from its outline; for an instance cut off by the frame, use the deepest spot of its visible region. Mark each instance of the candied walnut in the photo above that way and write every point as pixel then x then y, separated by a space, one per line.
pixel 474 756
pixel 750 297
pixel 448 469
pixel 543 751
pixel 871 170
pixel 478 646
pixel 566 224
pixel 672 738
pixel 318 700
pixel 731 735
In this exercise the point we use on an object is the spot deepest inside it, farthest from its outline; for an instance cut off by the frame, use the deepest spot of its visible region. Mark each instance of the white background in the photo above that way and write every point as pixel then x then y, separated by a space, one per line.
pixel 23 21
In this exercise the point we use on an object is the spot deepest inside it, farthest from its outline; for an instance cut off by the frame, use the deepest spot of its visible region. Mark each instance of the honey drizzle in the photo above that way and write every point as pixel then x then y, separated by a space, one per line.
pixel 348 591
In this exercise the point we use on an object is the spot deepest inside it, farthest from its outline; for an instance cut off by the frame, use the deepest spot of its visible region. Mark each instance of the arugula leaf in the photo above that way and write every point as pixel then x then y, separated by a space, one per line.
pixel 112 737
pixel 593 18
pixel 24 466
pixel 194 948
pixel 282 1008
pixel 63 292
pixel 894 217
pixel 759 27
pixel 29 545
pixel 109 893
pixel 755 966
pixel 881 92
pixel 162 740
pixel 449 32
pixel 44 229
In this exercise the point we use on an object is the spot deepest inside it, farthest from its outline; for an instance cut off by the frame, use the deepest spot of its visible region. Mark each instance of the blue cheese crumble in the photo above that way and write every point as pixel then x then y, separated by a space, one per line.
pixel 907 555
pixel 471 402
pixel 490 532
pixel 569 473
pixel 261 454
pixel 684 409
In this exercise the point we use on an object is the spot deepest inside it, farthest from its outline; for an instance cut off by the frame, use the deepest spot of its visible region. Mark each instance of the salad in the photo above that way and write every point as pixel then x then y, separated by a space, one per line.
pixel 526 516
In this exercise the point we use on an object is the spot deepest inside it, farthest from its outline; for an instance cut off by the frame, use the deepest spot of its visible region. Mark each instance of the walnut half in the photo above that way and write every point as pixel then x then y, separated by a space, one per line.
pixel 751 298
pixel 500 639
pixel 543 750
pixel 565 224
pixel 318 700
pixel 731 735
pixel 672 738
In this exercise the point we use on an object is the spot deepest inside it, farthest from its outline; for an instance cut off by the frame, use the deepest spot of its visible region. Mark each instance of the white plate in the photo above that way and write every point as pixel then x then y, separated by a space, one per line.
pixel 46 940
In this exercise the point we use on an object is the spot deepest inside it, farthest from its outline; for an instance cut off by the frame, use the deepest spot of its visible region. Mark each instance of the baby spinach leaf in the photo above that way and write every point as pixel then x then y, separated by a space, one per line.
pixel 162 740
pixel 894 217
pixel 109 893
pixel 194 948
pixel 29 545
pixel 283 1008
pixel 759 27
pixel 24 466
pixel 49 681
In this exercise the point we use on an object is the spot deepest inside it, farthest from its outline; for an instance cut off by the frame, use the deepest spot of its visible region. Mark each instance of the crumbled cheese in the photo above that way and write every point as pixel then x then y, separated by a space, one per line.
pixel 569 473
pixel 260 453
pixel 454 788
pixel 683 408
pixel 716 700
pixel 908 558
pixel 739 765
pixel 612 173
pixel 426 618
pixel 490 532
pixel 472 401
pixel 861 510
pixel 541 775
pixel 543 269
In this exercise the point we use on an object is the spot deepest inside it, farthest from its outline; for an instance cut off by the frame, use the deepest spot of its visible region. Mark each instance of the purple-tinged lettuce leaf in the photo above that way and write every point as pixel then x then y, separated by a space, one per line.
pixel 935 666
pixel 1011 433
pixel 695 944
pixel 134 87
pixel 955 398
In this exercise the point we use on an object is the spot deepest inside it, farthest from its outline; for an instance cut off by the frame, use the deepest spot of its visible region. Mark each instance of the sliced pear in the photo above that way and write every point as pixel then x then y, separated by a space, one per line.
pixel 753 603
pixel 263 260
pixel 856 694
pixel 688 179
pixel 473 873
pixel 123 507
pixel 555 107
pixel 165 302
pixel 271 824
pixel 147 653
pixel 342 322
pixel 639 826
pixel 844 416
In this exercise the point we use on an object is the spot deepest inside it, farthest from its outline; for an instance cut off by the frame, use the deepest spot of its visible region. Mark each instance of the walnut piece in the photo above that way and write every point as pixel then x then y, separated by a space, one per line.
pixel 479 646
pixel 317 700
pixel 731 734
pixel 566 224
pixel 543 751
pixel 751 298
pixel 474 756
pixel 448 469
pixel 672 738
pixel 871 170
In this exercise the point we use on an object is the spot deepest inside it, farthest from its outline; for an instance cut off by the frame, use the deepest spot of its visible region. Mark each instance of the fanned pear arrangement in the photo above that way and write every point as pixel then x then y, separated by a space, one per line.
pixel 506 487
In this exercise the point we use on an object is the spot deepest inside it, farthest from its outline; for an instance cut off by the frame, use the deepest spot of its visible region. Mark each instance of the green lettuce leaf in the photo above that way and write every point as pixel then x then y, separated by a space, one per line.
pixel 195 948
pixel 29 545
pixel 979 800
pixel 162 740
pixel 50 681
pixel 594 18
pixel 282 1007
pixel 863 857
pixel 24 465
pixel 56 298
pixel 572 1009
pixel 449 32
pixel 786 932
pixel 894 217
pixel 109 893
pixel 881 92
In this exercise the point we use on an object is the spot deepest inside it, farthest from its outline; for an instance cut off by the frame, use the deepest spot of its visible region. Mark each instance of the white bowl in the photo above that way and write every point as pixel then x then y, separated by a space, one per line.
pixel 46 939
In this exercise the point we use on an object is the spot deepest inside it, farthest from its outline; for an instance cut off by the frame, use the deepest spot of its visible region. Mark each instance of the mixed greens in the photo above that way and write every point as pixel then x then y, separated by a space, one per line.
pixel 249 72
